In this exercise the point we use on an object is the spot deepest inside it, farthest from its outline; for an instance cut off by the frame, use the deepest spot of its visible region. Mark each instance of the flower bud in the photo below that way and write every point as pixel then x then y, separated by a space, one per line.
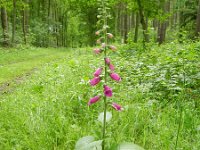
pixel 107 91
pixel 97 51
pixel 117 106
pixel 110 35
pixel 107 60
pixel 103 45
pixel 95 81
pixel 112 68
pixel 94 100
pixel 98 72
pixel 99 41
pixel 115 76
pixel 112 47
pixel 97 32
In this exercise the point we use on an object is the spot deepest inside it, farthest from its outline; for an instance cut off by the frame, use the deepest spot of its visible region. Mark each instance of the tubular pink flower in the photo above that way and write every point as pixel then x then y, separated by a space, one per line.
pixel 98 72
pixel 117 106
pixel 97 32
pixel 112 68
pixel 110 35
pixel 115 76
pixel 113 48
pixel 107 60
pixel 94 100
pixel 95 81
pixel 97 51
pixel 107 91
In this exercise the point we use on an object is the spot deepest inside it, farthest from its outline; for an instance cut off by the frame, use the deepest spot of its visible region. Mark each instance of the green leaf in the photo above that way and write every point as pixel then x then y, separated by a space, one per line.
pixel 101 117
pixel 129 146
pixel 88 143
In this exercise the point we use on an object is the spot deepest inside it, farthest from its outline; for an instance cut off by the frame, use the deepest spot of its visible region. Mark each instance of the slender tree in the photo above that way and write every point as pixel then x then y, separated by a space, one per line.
pixel 137 27
pixel 163 25
pixel 125 34
pixel 143 22
pixel 198 21
pixel 4 22
pixel 14 21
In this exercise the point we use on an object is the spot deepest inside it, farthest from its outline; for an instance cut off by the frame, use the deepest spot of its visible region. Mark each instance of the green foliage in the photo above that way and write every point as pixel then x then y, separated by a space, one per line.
pixel 49 111
pixel 17 61
pixel 165 72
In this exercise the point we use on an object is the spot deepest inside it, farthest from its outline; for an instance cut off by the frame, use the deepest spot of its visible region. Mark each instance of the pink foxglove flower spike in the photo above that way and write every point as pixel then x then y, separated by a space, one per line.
pixel 103 41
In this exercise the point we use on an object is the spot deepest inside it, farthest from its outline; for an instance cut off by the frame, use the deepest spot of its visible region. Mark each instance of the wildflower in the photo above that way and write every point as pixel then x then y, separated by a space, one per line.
pixel 117 106
pixel 107 91
pixel 97 51
pixel 107 60
pixel 110 35
pixel 98 72
pixel 112 68
pixel 97 33
pixel 115 76
pixel 95 81
pixel 113 47
pixel 94 100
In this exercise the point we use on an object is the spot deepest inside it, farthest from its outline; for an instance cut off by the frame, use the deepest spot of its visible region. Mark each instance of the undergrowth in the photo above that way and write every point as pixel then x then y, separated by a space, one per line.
pixel 49 111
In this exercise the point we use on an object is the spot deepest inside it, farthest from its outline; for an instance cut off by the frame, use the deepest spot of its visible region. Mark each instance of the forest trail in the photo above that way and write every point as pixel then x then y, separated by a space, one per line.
pixel 17 66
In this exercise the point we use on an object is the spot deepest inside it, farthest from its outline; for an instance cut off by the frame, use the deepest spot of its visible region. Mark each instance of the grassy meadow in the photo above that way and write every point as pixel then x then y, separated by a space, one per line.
pixel 159 91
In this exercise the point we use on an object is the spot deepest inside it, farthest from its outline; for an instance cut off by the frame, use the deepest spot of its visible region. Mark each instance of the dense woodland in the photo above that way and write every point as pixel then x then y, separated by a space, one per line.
pixel 72 23
pixel 100 74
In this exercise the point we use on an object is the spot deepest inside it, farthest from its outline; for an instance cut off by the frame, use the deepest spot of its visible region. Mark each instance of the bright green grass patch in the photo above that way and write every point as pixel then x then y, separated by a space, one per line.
pixel 49 111
pixel 15 62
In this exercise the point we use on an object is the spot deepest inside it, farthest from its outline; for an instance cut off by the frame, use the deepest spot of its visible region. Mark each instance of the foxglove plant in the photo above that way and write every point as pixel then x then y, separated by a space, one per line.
pixel 108 68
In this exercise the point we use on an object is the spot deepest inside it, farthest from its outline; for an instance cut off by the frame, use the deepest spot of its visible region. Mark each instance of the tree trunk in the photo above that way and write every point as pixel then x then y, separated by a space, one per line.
pixel 161 32
pixel 137 27
pixel 56 27
pixel 143 22
pixel 23 25
pixel 4 21
pixel 116 20
pixel 49 9
pixel 14 21
pixel 122 22
pixel 38 9
pixel 119 19
pixel 125 26
pixel 66 30
pixel 132 23
pixel 163 25
pixel 155 27
pixel 198 22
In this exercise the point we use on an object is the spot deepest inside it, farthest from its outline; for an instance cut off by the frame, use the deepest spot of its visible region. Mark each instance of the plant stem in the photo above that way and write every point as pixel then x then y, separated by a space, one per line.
pixel 105 74
pixel 180 106
pixel 179 125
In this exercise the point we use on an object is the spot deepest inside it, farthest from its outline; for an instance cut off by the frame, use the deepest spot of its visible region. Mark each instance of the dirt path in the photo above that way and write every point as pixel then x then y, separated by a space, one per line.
pixel 8 86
